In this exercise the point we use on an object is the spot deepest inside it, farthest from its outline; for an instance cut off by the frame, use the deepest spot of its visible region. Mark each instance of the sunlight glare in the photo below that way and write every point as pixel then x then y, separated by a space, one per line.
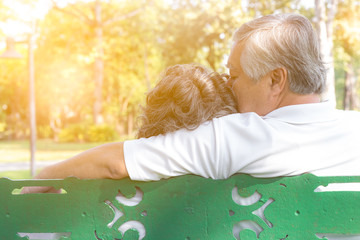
pixel 26 15
pixel 13 28
pixel 31 11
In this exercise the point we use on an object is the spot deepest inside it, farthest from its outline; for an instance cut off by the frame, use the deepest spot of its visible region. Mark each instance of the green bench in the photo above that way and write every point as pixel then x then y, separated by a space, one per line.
pixel 183 208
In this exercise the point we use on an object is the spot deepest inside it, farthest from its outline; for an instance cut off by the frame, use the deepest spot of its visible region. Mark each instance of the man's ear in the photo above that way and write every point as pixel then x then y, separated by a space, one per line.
pixel 278 78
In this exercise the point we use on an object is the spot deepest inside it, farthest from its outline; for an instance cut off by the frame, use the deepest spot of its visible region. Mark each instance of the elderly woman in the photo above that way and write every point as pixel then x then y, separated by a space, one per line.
pixel 186 96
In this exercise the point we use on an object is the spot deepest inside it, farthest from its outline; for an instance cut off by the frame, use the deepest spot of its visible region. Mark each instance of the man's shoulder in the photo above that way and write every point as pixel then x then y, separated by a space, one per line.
pixel 348 115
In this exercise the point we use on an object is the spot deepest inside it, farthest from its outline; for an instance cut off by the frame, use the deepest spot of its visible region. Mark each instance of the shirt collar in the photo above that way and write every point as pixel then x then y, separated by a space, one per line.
pixel 304 113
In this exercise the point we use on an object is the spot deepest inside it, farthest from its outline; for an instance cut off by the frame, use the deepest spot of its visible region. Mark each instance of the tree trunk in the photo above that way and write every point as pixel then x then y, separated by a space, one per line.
pixel 324 26
pixel 99 65
pixel 32 104
pixel 350 99
pixel 332 7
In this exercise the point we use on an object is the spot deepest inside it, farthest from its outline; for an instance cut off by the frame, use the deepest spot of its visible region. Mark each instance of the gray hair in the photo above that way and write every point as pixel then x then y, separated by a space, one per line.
pixel 186 96
pixel 283 40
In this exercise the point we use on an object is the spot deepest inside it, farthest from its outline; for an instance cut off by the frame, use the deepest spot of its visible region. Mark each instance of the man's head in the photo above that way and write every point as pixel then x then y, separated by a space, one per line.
pixel 278 46
pixel 186 96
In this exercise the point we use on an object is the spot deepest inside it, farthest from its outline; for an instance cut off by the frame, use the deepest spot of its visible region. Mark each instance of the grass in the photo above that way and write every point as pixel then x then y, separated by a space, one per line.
pixel 46 150
pixel 21 174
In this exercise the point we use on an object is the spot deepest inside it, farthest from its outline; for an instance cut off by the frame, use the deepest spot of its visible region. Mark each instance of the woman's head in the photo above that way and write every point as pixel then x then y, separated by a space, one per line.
pixel 186 96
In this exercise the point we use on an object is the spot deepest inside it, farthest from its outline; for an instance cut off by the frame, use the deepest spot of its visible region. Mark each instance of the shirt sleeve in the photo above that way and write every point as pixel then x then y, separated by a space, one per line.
pixel 173 154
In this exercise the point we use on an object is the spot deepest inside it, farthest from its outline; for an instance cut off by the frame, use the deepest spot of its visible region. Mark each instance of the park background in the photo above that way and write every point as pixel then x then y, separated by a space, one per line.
pixel 94 61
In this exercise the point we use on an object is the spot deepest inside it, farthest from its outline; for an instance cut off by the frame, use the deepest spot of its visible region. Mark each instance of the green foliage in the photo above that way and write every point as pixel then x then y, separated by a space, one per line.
pixel 14 96
pixel 347 30
pixel 101 133
pixel 2 130
pixel 73 133
pixel 44 131
pixel 2 127
pixel 197 31
pixel 87 133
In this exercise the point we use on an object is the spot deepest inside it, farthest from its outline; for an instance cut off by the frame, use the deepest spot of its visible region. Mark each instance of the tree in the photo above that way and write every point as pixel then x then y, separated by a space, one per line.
pixel 325 11
pixel 197 31
pixel 13 99
pixel 133 63
pixel 347 37
pixel 13 20
pixel 94 17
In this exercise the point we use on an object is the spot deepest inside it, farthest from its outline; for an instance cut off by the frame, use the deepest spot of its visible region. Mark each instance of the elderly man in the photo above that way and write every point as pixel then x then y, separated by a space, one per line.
pixel 282 128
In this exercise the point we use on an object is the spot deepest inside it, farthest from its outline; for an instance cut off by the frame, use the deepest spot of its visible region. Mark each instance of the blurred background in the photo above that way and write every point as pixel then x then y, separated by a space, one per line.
pixel 74 73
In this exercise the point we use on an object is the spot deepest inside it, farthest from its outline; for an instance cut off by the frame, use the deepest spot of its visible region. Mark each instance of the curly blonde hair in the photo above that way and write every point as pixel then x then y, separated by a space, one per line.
pixel 186 96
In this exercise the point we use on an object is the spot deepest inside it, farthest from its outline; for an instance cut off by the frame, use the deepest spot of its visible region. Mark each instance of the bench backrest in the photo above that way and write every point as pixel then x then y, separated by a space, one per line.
pixel 184 208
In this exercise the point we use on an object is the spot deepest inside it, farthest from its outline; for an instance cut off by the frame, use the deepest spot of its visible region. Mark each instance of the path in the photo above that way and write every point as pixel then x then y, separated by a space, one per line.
pixel 15 166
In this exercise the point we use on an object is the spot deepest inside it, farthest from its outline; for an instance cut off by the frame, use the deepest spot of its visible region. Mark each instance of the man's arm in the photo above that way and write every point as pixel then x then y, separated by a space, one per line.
pixel 104 161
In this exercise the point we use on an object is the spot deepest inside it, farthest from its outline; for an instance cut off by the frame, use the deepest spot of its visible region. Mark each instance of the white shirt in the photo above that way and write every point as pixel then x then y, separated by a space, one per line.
pixel 307 138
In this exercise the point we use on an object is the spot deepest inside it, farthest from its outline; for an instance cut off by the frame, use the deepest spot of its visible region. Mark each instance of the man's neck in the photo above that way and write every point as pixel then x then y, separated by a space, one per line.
pixel 295 99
